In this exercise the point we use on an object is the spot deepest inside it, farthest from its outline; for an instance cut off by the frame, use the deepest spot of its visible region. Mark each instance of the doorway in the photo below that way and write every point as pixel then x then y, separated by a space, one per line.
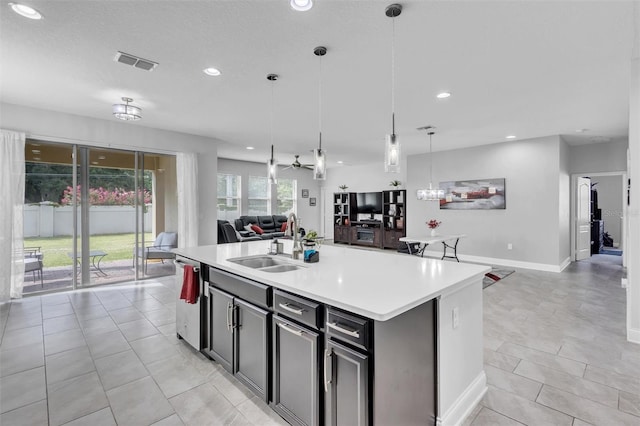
pixel 605 203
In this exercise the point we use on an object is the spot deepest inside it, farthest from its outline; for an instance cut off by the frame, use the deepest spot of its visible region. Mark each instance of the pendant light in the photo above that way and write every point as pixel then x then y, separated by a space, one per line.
pixel 272 164
pixel 127 112
pixel 430 194
pixel 392 143
pixel 320 157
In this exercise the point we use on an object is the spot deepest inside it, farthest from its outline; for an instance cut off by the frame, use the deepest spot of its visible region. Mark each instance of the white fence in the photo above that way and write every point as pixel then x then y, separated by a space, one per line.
pixel 45 220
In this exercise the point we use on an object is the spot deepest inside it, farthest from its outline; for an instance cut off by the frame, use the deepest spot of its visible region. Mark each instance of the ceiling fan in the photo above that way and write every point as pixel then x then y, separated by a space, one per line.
pixel 298 165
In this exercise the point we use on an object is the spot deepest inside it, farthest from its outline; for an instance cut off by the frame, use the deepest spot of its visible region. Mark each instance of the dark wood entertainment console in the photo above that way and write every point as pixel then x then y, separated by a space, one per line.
pixel 385 233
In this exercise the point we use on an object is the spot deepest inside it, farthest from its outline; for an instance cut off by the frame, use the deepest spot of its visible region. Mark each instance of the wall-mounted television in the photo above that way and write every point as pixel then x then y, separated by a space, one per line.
pixel 369 202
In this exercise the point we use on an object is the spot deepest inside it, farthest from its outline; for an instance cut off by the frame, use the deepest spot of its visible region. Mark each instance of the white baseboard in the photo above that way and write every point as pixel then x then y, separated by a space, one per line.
pixel 633 335
pixel 507 262
pixel 466 402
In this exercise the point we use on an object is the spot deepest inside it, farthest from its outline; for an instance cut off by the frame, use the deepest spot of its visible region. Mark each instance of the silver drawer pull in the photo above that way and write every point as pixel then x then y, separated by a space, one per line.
pixel 336 327
pixel 289 329
pixel 288 307
pixel 229 320
pixel 327 356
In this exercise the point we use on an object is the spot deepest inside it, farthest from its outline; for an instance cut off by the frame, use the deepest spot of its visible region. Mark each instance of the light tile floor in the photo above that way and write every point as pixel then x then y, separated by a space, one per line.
pixel 555 353
pixel 556 350
pixel 109 355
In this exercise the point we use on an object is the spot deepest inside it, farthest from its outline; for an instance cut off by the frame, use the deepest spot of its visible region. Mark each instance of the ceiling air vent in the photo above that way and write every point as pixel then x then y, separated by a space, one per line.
pixel 128 59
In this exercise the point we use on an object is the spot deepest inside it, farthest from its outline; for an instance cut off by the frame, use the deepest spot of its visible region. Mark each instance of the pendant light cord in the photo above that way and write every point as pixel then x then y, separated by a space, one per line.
pixel 635 53
pixel 271 119
pixel 431 160
pixel 393 76
pixel 320 103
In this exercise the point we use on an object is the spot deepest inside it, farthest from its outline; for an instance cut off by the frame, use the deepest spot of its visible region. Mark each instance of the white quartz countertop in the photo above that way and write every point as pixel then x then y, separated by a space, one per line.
pixel 376 284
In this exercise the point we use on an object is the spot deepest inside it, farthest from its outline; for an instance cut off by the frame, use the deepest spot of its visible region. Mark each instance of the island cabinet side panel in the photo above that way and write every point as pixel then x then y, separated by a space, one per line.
pixel 404 381
pixel 461 373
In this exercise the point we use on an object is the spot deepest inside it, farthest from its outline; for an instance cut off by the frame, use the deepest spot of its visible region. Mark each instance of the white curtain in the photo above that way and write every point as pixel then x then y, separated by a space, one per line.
pixel 11 206
pixel 187 170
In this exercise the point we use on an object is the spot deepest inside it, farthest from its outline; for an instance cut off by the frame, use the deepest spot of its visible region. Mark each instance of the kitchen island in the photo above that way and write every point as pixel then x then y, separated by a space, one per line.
pixel 389 338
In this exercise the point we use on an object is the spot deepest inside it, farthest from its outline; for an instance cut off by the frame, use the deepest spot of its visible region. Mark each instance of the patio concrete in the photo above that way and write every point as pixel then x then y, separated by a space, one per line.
pixel 119 270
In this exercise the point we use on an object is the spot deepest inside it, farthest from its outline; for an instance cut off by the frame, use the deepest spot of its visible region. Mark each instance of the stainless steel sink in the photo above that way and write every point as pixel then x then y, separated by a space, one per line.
pixel 265 263
pixel 255 261
pixel 280 268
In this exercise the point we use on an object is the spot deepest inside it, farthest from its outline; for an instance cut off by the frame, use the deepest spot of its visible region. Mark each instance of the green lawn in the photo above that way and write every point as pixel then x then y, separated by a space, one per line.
pixel 55 249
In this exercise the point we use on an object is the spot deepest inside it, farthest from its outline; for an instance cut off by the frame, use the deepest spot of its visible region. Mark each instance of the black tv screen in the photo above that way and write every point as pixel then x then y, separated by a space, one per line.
pixel 369 202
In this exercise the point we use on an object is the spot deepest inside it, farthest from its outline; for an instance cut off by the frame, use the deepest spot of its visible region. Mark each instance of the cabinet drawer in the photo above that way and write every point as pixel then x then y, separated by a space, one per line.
pixel 299 309
pixel 348 328
pixel 245 289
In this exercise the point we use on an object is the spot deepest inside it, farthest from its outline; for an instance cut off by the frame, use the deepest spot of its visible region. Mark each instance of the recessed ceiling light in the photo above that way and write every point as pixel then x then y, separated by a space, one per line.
pixel 510 137
pixel 102 157
pixel 211 71
pixel 443 95
pixel 340 162
pixel 26 11
pixel 36 158
pixel 94 162
pixel 301 5
pixel 581 130
pixel 250 148
pixel 35 151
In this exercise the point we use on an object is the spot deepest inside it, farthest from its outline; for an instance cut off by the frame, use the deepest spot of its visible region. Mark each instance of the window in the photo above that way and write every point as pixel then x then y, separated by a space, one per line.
pixel 228 197
pixel 286 200
pixel 259 202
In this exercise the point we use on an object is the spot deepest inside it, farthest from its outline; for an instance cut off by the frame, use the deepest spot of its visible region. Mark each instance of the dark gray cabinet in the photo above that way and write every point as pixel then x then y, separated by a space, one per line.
pixel 252 347
pixel 346 385
pixel 220 327
pixel 296 395
pixel 239 339
pixel 317 364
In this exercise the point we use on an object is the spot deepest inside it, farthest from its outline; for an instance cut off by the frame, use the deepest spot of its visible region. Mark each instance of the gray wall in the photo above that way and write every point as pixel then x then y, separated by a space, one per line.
pixel 531 220
pixel 309 216
pixel 564 203
pixel 598 157
pixel 610 201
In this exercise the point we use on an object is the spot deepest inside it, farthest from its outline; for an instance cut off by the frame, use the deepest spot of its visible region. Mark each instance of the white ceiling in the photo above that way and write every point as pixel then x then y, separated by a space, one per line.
pixel 529 68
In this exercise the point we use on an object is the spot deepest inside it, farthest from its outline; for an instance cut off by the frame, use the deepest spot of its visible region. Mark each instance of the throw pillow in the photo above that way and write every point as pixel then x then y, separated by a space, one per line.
pixel 257 229
pixel 248 227
pixel 283 228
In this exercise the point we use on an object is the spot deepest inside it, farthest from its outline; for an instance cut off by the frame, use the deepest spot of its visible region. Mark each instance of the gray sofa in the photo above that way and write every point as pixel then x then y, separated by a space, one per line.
pixel 271 226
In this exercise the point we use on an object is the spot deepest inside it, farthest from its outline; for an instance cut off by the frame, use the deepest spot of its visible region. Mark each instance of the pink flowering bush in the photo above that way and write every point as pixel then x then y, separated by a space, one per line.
pixel 107 197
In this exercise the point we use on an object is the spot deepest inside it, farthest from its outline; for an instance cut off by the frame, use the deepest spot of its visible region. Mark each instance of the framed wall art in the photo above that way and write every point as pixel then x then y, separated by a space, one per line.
pixel 481 194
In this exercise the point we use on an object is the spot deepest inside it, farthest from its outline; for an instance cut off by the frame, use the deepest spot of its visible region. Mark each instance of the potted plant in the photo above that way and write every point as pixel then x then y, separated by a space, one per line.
pixel 433 224
pixel 395 184
pixel 343 187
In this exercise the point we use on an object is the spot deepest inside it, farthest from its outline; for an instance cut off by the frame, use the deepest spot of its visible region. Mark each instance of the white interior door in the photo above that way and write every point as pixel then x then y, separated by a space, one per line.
pixel 583 218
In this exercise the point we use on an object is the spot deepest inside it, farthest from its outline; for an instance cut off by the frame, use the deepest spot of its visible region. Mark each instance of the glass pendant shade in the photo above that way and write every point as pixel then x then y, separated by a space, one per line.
pixel 272 169
pixel 127 112
pixel 392 154
pixel 430 194
pixel 319 164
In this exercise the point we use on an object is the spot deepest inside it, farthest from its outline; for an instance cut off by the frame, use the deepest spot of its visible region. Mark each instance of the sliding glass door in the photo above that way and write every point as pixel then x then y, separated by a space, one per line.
pixel 92 213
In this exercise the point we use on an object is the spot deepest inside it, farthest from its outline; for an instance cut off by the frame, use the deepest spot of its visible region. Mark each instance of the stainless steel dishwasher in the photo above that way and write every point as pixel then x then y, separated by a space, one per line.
pixel 189 316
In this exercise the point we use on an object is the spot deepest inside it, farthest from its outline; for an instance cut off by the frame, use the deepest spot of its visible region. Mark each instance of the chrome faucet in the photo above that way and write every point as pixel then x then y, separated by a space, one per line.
pixel 292 224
